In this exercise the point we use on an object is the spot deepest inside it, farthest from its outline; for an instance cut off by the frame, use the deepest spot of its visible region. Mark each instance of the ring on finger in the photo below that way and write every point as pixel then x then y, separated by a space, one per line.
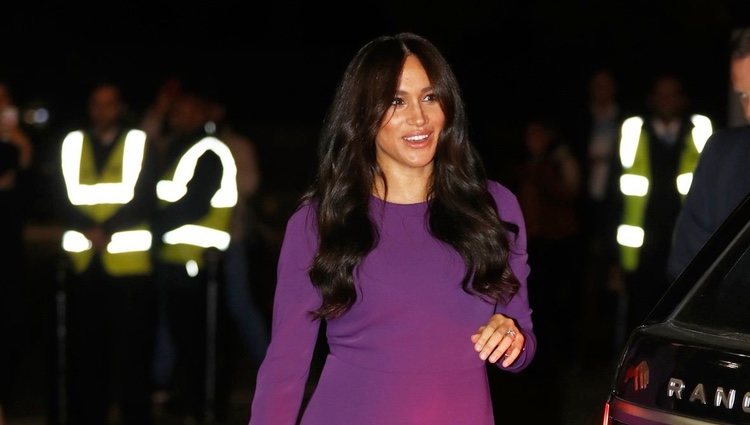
pixel 511 333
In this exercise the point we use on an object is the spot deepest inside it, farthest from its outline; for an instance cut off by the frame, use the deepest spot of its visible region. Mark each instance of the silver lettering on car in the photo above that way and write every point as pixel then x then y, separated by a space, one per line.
pixel 675 388
pixel 722 398
pixel 698 394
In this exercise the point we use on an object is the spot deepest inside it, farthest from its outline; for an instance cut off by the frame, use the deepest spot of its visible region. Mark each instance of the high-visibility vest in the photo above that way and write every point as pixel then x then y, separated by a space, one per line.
pixel 636 180
pixel 99 195
pixel 186 244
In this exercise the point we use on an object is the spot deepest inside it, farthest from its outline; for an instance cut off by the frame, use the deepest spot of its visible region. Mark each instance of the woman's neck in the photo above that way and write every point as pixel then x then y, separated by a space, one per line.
pixel 409 188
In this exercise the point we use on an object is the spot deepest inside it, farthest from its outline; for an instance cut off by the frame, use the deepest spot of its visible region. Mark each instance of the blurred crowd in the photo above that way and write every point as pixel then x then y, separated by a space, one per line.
pixel 154 290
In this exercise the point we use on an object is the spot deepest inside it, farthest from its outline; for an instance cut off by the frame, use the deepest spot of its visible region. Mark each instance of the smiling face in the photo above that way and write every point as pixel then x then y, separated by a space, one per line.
pixel 409 132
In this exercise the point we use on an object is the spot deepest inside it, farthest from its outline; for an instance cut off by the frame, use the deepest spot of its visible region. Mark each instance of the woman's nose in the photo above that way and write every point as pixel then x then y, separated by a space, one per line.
pixel 416 115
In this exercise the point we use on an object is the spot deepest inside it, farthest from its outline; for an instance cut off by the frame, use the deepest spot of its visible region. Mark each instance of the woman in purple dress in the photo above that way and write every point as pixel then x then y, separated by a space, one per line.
pixel 415 261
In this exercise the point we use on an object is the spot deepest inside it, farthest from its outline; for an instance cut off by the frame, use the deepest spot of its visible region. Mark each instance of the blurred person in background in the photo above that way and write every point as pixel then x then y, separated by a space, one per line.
pixel 658 152
pixel 549 187
pixel 16 152
pixel 599 134
pixel 197 194
pixel 109 178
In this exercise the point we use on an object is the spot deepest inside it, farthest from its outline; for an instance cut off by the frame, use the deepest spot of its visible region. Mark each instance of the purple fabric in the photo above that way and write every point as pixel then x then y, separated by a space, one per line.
pixel 402 355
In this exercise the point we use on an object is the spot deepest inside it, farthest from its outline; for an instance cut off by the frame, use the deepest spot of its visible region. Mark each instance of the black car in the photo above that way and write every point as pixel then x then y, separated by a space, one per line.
pixel 689 362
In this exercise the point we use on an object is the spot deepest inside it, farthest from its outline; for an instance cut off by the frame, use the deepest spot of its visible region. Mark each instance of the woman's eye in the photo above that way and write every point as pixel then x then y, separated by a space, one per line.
pixel 430 97
pixel 397 101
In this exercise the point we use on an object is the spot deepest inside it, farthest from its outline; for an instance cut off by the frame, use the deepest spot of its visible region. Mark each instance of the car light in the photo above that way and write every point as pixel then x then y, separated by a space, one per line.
pixel 605 420
pixel 639 374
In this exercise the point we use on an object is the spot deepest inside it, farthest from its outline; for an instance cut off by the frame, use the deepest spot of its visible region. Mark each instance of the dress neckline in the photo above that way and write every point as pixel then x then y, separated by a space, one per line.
pixel 417 208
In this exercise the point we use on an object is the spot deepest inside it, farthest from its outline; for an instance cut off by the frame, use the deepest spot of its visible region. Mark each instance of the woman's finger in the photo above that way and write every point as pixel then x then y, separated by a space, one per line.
pixel 511 355
pixel 484 336
pixel 475 336
pixel 509 348
pixel 496 340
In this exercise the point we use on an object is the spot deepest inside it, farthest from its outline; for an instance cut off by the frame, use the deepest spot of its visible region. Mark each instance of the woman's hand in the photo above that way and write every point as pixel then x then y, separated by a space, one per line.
pixel 500 337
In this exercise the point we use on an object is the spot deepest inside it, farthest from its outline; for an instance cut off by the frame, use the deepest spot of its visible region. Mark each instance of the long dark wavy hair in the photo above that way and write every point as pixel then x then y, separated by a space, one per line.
pixel 461 211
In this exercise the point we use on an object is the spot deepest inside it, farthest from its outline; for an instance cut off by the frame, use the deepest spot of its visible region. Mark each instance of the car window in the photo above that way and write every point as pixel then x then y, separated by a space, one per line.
pixel 721 304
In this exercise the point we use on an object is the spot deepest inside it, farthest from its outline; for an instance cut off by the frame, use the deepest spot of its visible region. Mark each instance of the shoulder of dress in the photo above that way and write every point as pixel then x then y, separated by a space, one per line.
pixel 301 228
pixel 303 216
pixel 499 191
pixel 506 201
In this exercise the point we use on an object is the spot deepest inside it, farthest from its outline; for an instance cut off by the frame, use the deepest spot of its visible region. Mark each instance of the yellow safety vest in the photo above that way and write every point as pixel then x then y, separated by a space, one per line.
pixel 636 179
pixel 99 195
pixel 186 244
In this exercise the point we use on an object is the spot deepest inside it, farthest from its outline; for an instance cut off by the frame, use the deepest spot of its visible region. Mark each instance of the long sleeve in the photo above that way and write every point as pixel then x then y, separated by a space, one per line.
pixel 518 308
pixel 283 374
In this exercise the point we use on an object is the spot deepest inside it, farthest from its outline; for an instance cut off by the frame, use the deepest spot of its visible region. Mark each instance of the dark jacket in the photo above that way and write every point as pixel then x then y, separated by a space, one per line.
pixel 720 181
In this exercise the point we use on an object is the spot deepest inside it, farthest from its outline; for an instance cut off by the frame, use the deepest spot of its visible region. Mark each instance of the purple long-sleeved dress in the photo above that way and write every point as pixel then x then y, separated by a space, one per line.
pixel 402 355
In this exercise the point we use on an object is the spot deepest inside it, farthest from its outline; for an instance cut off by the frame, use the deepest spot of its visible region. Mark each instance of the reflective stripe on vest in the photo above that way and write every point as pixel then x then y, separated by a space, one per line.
pixel 186 244
pixel 100 195
pixel 204 237
pixel 127 241
pixel 174 189
pixel 636 177
pixel 101 192
pixel 702 130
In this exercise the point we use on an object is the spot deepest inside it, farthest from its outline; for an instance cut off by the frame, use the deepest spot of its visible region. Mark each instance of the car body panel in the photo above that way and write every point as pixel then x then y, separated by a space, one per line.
pixel 689 362
pixel 682 373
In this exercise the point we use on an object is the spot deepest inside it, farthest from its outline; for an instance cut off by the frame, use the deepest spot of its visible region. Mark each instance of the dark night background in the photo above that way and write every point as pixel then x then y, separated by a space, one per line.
pixel 276 65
